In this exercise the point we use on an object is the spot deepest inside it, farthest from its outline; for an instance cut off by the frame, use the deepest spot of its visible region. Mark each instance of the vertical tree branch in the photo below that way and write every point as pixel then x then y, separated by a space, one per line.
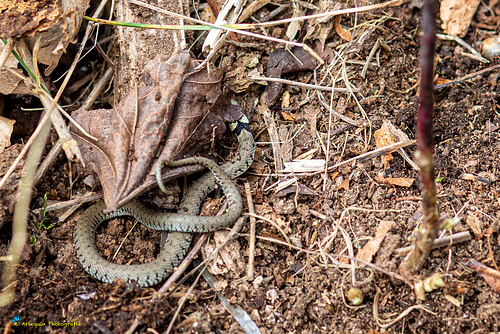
pixel 425 235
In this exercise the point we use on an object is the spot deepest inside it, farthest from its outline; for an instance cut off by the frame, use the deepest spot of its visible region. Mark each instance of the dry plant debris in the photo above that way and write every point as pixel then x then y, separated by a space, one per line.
pixel 456 15
pixel 491 276
pixel 6 128
pixel 282 61
pixel 55 21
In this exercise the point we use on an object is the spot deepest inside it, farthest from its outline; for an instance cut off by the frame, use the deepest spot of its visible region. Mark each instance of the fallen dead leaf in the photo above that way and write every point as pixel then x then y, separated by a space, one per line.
pixel 387 135
pixel 345 184
pixel 238 74
pixel 456 16
pixel 294 27
pixel 285 99
pixel 320 28
pixel 11 83
pixel 490 127
pixel 453 300
pixel 165 117
pixel 6 127
pixel 343 33
pixel 440 81
pixel 474 224
pixel 371 248
pixel 288 116
pixel 397 181
pixel 283 61
pixel 304 166
pixel 292 189
pixel 491 276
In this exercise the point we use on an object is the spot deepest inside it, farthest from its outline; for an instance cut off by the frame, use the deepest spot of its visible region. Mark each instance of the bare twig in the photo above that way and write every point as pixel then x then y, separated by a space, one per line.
pixel 375 153
pixel 304 85
pixel 439 242
pixel 273 134
pixel 7 49
pixel 467 77
pixel 251 241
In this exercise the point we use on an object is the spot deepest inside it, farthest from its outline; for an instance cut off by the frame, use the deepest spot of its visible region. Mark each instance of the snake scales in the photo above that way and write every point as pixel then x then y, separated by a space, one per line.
pixel 180 225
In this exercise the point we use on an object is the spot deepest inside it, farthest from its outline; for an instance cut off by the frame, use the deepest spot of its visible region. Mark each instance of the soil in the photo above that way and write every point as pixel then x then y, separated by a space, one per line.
pixel 301 287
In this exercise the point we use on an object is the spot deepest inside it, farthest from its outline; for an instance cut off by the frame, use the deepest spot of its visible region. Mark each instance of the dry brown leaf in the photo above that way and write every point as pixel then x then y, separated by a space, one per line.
pixel 387 135
pixel 320 28
pixel 294 26
pixel 398 181
pixel 474 224
pixel 371 248
pixel 491 276
pixel 238 74
pixel 289 117
pixel 456 15
pixel 229 259
pixel 185 116
pixel 283 61
pixel 490 127
pixel 304 166
pixel 9 82
pixel 440 81
pixel 285 99
pixel 6 127
pixel 343 33
pixel 292 189
pixel 345 184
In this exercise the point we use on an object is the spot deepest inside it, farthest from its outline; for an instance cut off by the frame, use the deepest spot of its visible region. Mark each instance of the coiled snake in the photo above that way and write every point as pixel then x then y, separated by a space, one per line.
pixel 180 225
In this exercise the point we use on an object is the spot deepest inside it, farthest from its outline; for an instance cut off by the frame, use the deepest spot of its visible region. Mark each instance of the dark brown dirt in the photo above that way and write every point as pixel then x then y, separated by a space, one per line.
pixel 297 291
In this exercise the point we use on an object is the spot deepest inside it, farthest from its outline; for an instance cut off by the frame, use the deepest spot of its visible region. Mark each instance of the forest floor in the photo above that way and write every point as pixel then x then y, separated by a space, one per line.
pixel 299 284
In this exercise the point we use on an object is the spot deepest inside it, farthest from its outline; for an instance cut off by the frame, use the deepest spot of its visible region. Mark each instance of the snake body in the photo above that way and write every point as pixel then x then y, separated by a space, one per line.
pixel 180 225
